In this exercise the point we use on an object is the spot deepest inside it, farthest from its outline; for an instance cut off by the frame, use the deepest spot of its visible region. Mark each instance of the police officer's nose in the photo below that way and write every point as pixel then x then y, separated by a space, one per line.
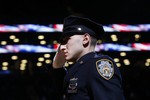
pixel 62 47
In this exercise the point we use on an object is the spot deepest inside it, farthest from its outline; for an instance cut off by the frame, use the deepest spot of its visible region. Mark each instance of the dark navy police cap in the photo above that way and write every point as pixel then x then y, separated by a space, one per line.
pixel 78 25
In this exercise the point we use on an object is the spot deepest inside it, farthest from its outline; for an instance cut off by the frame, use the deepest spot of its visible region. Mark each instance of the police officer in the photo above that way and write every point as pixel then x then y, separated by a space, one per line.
pixel 92 76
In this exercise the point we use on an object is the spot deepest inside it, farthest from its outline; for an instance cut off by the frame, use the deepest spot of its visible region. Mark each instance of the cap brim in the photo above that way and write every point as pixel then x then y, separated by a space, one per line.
pixel 68 34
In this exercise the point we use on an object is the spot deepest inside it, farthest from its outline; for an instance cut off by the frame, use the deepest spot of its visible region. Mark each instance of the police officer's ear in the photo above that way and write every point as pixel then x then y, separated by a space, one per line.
pixel 86 39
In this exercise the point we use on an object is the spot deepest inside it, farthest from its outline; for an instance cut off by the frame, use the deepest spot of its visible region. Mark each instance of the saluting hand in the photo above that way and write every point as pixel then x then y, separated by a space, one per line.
pixel 59 59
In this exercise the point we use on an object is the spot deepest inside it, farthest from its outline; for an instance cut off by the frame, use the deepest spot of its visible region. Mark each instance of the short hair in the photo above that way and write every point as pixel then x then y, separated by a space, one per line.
pixel 93 41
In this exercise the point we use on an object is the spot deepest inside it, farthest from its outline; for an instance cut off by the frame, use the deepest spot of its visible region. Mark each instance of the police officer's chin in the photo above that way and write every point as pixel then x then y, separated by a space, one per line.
pixel 71 60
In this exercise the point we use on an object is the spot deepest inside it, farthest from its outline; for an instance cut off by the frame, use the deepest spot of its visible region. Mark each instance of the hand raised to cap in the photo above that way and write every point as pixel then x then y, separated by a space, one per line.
pixel 59 59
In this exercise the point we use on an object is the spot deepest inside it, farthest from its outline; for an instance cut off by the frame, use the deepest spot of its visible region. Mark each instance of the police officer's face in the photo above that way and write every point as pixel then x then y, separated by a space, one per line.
pixel 72 46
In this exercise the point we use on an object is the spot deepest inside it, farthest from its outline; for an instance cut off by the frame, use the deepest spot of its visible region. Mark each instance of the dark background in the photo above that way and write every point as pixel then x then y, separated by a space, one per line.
pixel 53 11
pixel 36 84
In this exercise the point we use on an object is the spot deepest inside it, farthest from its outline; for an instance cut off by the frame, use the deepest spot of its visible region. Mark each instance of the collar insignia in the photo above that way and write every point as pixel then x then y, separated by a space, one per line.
pixel 81 62
pixel 105 68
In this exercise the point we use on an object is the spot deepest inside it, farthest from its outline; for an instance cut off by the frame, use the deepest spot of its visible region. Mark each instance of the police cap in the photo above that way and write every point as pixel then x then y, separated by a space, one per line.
pixel 80 25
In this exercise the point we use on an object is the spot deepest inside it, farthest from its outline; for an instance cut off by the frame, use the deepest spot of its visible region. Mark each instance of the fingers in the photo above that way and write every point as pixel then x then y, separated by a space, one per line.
pixel 59 59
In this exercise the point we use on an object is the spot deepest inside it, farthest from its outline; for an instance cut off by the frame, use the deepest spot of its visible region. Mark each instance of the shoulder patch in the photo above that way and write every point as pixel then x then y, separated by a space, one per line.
pixel 105 68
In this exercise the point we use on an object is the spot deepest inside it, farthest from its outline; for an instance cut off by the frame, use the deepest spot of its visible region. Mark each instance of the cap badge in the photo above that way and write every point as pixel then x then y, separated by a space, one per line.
pixel 105 68
pixel 79 29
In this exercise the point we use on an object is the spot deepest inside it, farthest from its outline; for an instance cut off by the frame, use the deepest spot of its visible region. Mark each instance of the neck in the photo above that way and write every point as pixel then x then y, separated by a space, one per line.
pixel 86 51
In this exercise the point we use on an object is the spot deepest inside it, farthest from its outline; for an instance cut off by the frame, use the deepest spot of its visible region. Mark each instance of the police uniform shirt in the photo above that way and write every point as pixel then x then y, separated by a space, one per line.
pixel 94 77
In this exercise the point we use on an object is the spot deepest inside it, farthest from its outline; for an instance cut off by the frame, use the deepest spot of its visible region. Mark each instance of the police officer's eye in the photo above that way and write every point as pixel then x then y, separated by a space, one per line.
pixel 65 40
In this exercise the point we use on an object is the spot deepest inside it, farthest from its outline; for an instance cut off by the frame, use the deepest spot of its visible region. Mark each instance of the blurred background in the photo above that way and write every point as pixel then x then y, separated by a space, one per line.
pixel 29 34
